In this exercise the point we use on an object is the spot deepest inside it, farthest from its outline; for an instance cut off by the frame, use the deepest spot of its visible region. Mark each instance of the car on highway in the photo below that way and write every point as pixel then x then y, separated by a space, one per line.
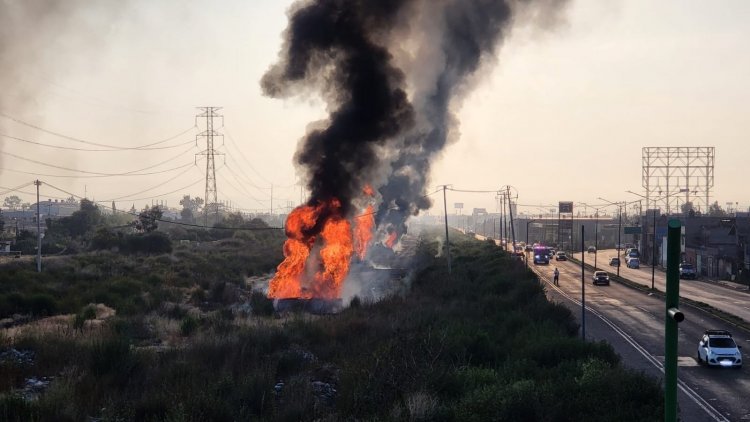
pixel 614 262
pixel 687 270
pixel 529 248
pixel 601 277
pixel 561 256
pixel 591 249
pixel 717 348
pixel 633 263
pixel 541 255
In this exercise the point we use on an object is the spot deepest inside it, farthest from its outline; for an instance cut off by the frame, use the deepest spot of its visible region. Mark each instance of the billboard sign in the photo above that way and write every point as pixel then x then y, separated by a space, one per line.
pixel 458 205
pixel 632 230
pixel 565 207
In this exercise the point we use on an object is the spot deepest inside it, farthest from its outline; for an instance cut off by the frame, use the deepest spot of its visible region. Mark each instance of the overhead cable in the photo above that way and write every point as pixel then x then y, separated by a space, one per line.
pixel 83 141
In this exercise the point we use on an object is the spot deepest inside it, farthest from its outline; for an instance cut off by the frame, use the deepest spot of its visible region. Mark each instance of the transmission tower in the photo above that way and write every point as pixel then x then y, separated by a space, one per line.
pixel 211 205
pixel 673 171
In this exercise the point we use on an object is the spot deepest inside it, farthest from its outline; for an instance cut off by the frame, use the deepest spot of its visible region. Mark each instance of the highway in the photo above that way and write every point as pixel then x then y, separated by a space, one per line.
pixel 633 322
pixel 733 302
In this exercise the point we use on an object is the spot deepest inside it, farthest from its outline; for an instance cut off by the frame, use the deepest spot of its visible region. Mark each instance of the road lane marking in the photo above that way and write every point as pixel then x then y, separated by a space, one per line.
pixel 711 411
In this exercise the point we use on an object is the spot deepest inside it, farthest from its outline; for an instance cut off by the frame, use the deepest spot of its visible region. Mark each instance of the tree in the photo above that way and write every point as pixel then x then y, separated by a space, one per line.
pixel 687 207
pixel 186 215
pixel 147 219
pixel 715 210
pixel 79 223
pixel 192 204
pixel 12 202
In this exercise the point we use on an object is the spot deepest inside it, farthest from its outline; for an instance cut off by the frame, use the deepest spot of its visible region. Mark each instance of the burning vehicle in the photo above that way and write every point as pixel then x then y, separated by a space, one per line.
pixel 392 74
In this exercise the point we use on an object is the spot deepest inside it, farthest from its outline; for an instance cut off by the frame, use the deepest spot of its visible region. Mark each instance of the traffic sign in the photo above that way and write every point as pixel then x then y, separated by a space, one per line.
pixel 565 207
pixel 632 230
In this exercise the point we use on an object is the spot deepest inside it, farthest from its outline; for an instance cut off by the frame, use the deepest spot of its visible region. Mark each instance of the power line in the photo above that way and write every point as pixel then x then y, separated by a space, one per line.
pixel 95 176
pixel 89 149
pixel 169 221
pixel 17 188
pixel 473 191
pixel 245 158
pixel 153 187
pixel 83 141
pixel 236 189
pixel 247 178
pixel 130 173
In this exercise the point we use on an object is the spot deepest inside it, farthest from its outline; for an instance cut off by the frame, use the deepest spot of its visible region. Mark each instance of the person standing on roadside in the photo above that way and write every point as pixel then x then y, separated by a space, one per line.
pixel 556 277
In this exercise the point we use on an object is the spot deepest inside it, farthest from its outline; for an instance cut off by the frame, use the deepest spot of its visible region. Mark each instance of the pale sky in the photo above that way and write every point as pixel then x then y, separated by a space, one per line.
pixel 561 115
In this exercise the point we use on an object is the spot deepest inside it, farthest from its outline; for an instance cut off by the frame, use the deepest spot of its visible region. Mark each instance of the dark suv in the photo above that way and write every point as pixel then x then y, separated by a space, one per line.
pixel 687 270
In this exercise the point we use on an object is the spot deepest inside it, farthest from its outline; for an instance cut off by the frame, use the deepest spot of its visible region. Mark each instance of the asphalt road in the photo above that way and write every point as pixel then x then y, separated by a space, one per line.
pixel 633 322
pixel 731 301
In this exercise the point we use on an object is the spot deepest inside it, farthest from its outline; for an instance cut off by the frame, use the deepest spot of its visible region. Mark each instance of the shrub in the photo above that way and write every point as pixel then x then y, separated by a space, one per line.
pixel 42 304
pixel 87 313
pixel 261 304
pixel 188 326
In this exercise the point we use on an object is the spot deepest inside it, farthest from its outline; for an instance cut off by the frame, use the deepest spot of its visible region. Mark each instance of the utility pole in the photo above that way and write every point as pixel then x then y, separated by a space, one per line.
pixel 583 285
pixel 653 252
pixel 211 203
pixel 447 240
pixel 38 231
pixel 619 242
pixel 510 213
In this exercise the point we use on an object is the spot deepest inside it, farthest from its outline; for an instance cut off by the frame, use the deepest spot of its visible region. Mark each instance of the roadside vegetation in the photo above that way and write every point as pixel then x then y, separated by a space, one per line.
pixel 180 335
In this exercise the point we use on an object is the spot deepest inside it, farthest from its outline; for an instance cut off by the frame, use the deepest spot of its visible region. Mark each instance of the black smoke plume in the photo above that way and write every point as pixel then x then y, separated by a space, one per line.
pixel 365 56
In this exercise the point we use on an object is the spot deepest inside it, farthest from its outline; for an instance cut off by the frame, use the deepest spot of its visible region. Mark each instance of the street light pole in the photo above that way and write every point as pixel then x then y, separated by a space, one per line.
pixel 653 253
pixel 619 242
pixel 619 228
pixel 596 237
pixel 527 242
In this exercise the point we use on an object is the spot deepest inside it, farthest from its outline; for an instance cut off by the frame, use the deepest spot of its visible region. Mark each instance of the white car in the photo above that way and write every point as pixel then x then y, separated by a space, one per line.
pixel 717 348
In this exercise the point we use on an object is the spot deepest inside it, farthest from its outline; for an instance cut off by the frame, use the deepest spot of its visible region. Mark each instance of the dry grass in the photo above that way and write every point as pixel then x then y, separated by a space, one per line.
pixel 61 325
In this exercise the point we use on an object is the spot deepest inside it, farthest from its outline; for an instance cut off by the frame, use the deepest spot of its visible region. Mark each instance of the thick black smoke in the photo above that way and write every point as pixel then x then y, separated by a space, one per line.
pixel 353 51
pixel 331 43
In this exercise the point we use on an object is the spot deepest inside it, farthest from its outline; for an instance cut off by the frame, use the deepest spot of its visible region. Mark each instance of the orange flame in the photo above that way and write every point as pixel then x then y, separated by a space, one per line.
pixel 335 254
pixel 367 190
pixel 391 240
pixel 363 231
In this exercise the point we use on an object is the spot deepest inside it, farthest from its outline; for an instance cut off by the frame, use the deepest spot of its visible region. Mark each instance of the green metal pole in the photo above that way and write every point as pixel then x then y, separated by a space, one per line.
pixel 583 287
pixel 672 317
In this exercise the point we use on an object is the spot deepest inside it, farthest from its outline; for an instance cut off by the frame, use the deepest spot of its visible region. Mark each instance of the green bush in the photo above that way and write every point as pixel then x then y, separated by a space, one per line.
pixel 188 326
pixel 87 313
pixel 261 305
pixel 42 304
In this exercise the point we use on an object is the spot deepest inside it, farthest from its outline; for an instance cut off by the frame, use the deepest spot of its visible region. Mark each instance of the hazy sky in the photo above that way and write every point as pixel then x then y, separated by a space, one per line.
pixel 561 115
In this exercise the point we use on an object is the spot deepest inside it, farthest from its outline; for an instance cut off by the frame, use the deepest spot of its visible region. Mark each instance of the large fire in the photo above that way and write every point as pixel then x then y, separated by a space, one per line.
pixel 363 231
pixel 336 242
pixel 391 240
